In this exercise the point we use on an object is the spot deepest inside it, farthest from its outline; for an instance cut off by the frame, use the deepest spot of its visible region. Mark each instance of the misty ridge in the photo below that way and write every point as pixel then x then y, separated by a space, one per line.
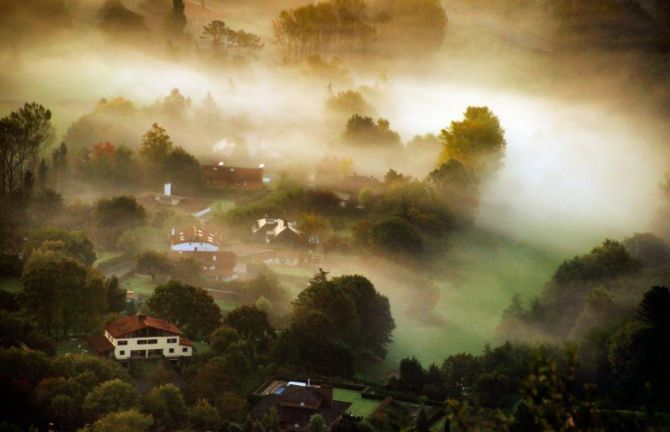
pixel 449 214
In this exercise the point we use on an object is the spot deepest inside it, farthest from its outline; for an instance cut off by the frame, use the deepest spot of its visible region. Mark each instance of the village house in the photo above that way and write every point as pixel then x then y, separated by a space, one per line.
pixel 224 176
pixel 277 232
pixel 196 207
pixel 204 246
pixel 296 402
pixel 141 337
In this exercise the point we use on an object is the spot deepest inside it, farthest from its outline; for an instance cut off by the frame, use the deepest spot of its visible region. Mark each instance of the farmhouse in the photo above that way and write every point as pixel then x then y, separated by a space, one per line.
pixel 194 239
pixel 236 177
pixel 296 402
pixel 277 232
pixel 204 246
pixel 141 337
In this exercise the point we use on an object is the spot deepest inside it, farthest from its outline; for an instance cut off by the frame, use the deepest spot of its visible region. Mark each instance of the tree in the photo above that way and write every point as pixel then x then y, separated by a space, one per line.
pixel 655 307
pixel 109 397
pixel 23 133
pixel 166 404
pixel 363 131
pixel 460 372
pixel 184 171
pixel 422 421
pixel 348 309
pixel 117 20
pixel 350 102
pixel 608 260
pixel 136 240
pixel 395 235
pixel 176 19
pixel 191 309
pixel 222 338
pixel 74 243
pixel 187 269
pixel 412 375
pixel 65 411
pixel 317 424
pixel 326 28
pixel 225 41
pixel 478 141
pixel 316 227
pixel 156 264
pixel 156 145
pixel 61 293
pixel 251 324
pixel 204 416
pixel 123 421
pixel 116 215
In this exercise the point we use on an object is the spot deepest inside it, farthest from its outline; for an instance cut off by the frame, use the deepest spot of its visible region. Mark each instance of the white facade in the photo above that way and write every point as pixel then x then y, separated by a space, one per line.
pixel 194 247
pixel 145 347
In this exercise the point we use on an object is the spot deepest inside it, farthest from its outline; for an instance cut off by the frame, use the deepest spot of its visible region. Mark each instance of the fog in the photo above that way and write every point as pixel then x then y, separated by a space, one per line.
pixel 575 172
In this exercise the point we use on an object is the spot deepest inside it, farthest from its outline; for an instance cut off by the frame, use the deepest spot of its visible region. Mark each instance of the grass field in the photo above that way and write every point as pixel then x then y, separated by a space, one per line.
pixel 489 271
pixel 359 406
pixel 141 284
pixel 72 346
pixel 12 285
pixel 106 256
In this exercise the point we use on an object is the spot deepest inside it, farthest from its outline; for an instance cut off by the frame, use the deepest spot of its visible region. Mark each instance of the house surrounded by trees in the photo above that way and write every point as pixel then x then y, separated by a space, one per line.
pixel 236 177
pixel 141 337
pixel 296 402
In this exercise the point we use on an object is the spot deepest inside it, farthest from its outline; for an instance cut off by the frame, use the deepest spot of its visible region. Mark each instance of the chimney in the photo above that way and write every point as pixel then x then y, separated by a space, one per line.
pixel 167 189
pixel 141 317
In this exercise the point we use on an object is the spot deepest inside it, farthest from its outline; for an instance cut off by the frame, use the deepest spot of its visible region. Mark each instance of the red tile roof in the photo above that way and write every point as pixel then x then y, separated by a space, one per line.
pixel 185 342
pixel 134 323
pixel 100 344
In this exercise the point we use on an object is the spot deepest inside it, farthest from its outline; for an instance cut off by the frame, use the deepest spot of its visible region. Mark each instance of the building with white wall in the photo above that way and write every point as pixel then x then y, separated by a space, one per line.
pixel 194 239
pixel 141 337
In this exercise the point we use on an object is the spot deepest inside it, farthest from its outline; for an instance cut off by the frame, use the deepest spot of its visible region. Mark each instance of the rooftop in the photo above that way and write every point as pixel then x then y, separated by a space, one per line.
pixel 133 323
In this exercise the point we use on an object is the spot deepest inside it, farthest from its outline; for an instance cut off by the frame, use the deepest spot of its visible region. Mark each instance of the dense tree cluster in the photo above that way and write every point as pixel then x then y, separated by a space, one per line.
pixel 327 27
pixel 364 132
pixel 225 42
pixel 190 308
pixel 356 318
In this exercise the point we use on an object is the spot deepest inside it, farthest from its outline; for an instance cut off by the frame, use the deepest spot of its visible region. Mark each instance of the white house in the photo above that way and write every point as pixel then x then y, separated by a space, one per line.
pixel 140 336
pixel 277 232
pixel 194 239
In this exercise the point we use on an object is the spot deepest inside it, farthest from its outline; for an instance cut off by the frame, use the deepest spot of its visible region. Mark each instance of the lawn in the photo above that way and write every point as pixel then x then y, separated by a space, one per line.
pixel 225 305
pixel 140 284
pixel 359 406
pixel 488 272
pixel 106 256
pixel 12 285
pixel 72 346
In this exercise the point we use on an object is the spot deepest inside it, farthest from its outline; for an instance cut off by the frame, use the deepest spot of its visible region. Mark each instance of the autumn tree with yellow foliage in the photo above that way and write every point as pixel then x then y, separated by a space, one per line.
pixel 478 141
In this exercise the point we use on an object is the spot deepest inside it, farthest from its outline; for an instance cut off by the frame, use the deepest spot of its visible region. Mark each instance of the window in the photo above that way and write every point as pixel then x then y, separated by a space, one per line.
pixel 172 340
pixel 152 341
pixel 171 350
pixel 184 349
pixel 123 342
pixel 122 352
pixel 141 342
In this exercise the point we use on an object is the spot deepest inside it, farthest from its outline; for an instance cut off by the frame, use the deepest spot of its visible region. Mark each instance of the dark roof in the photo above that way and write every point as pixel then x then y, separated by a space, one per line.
pixel 134 323
pixel 232 175
pixel 100 344
pixel 291 413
